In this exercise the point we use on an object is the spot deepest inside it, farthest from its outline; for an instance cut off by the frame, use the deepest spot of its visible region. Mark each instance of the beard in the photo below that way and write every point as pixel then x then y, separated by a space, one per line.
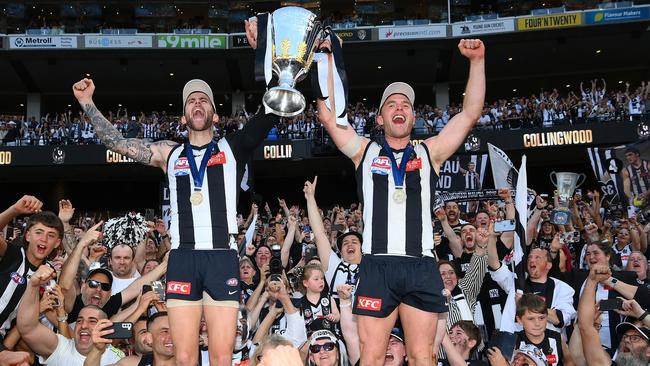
pixel 207 122
pixel 632 358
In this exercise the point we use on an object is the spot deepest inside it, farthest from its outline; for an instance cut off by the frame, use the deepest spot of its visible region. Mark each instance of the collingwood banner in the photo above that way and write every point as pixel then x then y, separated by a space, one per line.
pixel 462 173
pixel 623 172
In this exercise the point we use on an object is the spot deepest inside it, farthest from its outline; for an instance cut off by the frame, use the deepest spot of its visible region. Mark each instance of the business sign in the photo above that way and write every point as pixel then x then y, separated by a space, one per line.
pixel 239 41
pixel 192 41
pixel 553 21
pixel 617 15
pixel 413 32
pixel 354 34
pixel 118 41
pixel 487 27
pixel 42 42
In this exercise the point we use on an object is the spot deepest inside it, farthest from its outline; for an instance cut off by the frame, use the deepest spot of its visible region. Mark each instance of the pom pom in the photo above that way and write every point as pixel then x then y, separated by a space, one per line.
pixel 128 230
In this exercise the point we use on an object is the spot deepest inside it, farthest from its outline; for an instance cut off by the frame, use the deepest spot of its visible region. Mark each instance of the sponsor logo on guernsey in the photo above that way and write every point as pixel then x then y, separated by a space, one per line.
pixel 380 165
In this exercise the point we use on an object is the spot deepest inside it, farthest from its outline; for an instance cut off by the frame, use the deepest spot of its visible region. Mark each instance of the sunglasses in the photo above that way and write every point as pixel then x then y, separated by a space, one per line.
pixel 315 348
pixel 94 284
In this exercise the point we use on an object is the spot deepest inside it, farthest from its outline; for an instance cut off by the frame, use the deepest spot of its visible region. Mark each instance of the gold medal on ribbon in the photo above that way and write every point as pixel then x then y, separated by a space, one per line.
pixel 196 198
pixel 399 196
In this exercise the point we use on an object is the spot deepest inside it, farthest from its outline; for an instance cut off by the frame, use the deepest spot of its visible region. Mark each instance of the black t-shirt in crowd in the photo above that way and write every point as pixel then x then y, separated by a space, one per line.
pixel 442 250
pixel 111 307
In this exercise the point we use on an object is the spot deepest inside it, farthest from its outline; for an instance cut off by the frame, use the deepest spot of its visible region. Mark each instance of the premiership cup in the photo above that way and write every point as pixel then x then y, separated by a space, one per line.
pixel 566 183
pixel 295 34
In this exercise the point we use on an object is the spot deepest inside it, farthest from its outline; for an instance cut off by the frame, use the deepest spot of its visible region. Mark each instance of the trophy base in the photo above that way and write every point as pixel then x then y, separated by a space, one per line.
pixel 284 101
pixel 560 217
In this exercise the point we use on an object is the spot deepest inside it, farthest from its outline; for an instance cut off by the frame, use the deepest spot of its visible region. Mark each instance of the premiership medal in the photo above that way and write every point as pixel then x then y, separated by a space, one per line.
pixel 196 198
pixel 399 171
pixel 399 196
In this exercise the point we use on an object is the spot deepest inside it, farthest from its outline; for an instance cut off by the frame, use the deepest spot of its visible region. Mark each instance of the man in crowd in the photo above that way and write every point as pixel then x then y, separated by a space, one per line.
pixel 122 267
pixel 54 349
pixel 158 334
pixel 204 177
pixel 397 184
pixel 96 289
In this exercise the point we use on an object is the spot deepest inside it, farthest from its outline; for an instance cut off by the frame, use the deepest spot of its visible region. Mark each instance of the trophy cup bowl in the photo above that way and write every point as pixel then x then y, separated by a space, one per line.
pixel 566 183
pixel 295 36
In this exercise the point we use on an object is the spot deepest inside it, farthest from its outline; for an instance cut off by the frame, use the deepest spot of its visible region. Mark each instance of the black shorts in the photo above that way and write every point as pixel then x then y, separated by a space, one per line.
pixel 191 272
pixel 387 281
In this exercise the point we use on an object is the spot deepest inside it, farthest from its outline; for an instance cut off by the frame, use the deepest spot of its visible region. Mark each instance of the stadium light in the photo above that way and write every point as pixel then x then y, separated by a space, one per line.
pixel 171 74
pixel 379 67
pixel 599 51
pixel 509 58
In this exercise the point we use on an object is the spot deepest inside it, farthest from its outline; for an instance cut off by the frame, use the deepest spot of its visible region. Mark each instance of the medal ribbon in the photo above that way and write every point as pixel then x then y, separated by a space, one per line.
pixel 399 173
pixel 198 174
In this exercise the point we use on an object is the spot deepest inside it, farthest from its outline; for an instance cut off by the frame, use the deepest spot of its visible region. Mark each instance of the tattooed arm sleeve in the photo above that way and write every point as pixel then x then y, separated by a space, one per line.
pixel 139 150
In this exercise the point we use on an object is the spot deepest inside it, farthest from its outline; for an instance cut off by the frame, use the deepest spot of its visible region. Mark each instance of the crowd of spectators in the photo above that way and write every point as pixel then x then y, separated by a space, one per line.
pixel 594 103
pixel 90 278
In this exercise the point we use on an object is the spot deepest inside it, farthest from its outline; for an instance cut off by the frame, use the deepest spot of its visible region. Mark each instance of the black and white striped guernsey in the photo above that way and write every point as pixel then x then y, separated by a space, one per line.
pixel 209 224
pixel 212 223
pixel 15 271
pixel 390 227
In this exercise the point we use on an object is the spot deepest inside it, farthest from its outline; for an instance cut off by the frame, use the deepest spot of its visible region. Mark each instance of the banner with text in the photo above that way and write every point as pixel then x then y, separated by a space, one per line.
pixel 42 42
pixel 412 32
pixel 192 41
pixel 355 34
pixel 239 41
pixel 487 27
pixel 118 41
pixel 617 15
pixel 553 21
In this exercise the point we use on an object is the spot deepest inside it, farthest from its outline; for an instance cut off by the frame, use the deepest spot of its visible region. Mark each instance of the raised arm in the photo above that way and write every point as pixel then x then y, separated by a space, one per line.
pixel 455 244
pixel 25 205
pixel 135 288
pixel 71 265
pixel 288 240
pixel 345 137
pixel 37 336
pixel 320 237
pixel 154 154
pixel 453 134
pixel 592 350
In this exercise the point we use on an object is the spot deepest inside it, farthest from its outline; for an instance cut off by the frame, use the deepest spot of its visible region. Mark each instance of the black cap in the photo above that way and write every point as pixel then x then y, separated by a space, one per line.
pixel 397 333
pixel 320 324
pixel 339 239
pixel 624 327
pixel 103 271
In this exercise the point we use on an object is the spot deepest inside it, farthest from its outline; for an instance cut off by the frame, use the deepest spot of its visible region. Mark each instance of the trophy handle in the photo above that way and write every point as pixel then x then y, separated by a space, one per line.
pixel 554 181
pixel 581 179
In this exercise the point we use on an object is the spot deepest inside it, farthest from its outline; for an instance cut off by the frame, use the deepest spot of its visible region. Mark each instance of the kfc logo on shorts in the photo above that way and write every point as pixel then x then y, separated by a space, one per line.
pixel 232 282
pixel 369 303
pixel 380 165
pixel 181 288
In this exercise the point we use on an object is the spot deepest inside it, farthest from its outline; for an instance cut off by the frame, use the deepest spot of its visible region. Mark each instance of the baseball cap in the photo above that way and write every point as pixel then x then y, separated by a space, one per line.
pixel 339 239
pixel 625 326
pixel 398 88
pixel 533 353
pixel 104 271
pixel 322 334
pixel 397 333
pixel 197 85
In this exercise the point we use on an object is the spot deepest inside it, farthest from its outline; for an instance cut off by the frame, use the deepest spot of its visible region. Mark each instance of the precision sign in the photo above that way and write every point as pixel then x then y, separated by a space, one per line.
pixel 558 138
pixel 550 21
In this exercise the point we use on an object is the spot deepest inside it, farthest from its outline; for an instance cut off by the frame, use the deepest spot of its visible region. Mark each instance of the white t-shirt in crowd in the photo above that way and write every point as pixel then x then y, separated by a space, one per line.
pixel 120 284
pixel 66 354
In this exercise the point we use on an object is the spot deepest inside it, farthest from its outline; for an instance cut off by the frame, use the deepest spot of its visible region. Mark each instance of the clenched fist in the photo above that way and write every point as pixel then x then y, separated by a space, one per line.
pixel 83 90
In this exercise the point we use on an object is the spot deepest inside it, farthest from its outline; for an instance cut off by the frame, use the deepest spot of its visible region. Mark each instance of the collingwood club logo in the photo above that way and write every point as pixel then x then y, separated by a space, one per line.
pixel 361 33
pixel 473 143
pixel 58 155
pixel 643 130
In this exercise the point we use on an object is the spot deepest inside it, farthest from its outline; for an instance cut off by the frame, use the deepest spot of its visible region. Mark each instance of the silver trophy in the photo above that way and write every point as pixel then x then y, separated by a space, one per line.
pixel 566 183
pixel 295 34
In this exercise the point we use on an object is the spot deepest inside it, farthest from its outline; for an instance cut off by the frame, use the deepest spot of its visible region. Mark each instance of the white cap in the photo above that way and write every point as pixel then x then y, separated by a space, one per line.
pixel 322 334
pixel 398 88
pixel 197 85
pixel 533 353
